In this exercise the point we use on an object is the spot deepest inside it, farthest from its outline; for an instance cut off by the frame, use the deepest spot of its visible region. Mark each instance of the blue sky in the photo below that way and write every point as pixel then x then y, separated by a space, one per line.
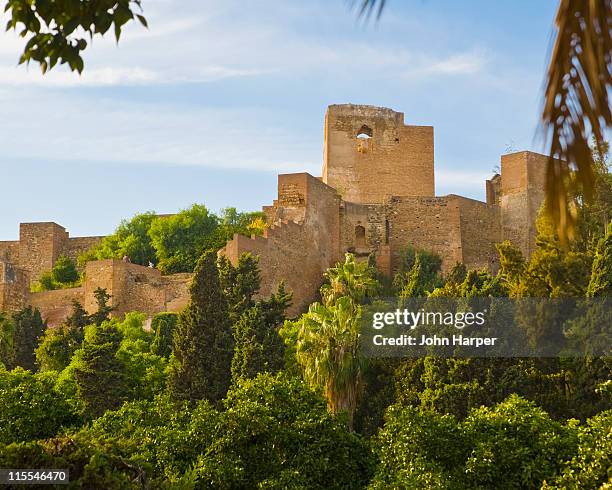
pixel 219 96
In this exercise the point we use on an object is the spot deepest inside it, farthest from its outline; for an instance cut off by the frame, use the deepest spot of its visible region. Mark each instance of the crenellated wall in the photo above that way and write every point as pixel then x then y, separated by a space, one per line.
pixel 131 287
pixel 376 197
pixel 302 242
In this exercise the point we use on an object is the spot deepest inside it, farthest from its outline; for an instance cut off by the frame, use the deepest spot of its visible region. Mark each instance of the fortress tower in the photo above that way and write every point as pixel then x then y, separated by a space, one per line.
pixel 370 154
pixel 376 198
pixel 520 192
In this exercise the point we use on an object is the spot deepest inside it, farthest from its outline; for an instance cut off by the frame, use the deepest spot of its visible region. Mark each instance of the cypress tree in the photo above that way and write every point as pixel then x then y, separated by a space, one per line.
pixel 202 341
pixel 99 374
pixel 240 283
pixel 163 325
pixel 258 345
pixel 29 328
pixel 104 309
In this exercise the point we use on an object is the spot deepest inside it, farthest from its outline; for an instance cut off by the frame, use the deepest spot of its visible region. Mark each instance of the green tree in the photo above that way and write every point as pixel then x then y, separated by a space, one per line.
pixel 7 335
pixel 91 462
pixel 457 273
pixel 104 310
pixel 275 433
pixel 258 346
pixel 201 368
pixel 64 274
pixel 179 240
pixel 418 273
pixel 328 352
pixel 591 465
pixel 600 283
pixel 232 221
pixel 512 445
pixel 240 283
pixel 58 345
pixel 351 278
pixel 29 329
pixel 326 338
pixel 163 325
pixel 30 408
pixel 166 434
pixel 131 239
pixel 58 33
pixel 56 348
pixel 515 445
pixel 419 449
pixel 511 265
pixel 100 376
pixel 64 270
pixel 78 320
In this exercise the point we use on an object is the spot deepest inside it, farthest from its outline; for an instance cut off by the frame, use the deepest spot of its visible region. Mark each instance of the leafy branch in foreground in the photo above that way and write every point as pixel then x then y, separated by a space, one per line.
pixel 57 30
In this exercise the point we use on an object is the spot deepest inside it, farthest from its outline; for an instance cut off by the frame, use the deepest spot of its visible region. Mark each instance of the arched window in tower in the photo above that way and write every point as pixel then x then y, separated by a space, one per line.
pixel 365 132
pixel 360 238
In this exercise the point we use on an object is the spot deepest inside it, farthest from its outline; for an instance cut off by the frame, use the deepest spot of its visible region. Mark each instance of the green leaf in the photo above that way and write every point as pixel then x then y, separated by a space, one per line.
pixel 70 26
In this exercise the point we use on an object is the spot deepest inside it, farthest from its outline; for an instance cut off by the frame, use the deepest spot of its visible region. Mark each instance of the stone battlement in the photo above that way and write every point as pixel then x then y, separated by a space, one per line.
pixel 376 196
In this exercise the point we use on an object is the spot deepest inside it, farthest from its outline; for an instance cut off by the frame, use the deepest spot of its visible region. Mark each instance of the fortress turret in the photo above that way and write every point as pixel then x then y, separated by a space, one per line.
pixel 370 154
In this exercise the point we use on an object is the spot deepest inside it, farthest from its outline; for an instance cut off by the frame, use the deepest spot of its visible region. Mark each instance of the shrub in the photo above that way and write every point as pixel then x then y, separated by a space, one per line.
pixel 276 433
pixel 30 408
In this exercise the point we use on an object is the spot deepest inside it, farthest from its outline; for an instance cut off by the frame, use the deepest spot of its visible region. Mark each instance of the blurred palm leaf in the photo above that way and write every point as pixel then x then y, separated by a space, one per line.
pixel 367 7
pixel 576 101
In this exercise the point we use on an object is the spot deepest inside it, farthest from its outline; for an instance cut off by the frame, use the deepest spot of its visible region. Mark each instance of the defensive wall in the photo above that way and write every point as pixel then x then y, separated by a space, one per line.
pixel 376 196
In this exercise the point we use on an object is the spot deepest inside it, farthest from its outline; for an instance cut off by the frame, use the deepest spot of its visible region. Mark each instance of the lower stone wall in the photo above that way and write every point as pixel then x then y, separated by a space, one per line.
pixel 135 288
pixel 132 288
pixel 284 255
pixel 429 223
pixel 480 231
pixel 14 287
pixel 55 306
pixel 176 287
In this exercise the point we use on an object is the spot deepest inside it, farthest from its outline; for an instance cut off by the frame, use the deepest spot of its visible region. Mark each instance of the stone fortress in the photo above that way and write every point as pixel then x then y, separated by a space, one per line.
pixel 376 196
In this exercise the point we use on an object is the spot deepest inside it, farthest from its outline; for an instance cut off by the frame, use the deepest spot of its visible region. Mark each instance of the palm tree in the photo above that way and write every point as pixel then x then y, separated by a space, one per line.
pixel 576 101
pixel 328 351
pixel 353 279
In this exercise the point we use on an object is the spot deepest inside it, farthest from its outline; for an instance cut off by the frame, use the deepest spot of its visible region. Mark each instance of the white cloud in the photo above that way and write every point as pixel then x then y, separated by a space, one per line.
pixel 466 63
pixel 92 131
pixel 222 39
pixel 120 76
pixel 427 66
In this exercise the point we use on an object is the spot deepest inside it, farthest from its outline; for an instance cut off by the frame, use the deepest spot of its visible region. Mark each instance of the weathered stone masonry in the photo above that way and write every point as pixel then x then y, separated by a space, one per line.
pixel 376 196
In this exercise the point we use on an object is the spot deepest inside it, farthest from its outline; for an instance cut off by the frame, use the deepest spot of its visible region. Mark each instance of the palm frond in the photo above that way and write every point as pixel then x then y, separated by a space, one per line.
pixel 365 8
pixel 576 104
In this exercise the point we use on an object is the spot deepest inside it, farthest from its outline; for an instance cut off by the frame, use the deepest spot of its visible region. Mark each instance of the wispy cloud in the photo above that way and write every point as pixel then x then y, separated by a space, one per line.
pixel 455 64
pixel 223 42
pixel 465 63
pixel 93 131
pixel 111 76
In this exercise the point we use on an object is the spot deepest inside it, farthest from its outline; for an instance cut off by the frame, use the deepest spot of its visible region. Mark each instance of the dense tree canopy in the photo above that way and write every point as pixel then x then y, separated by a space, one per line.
pixel 226 395
pixel 173 243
